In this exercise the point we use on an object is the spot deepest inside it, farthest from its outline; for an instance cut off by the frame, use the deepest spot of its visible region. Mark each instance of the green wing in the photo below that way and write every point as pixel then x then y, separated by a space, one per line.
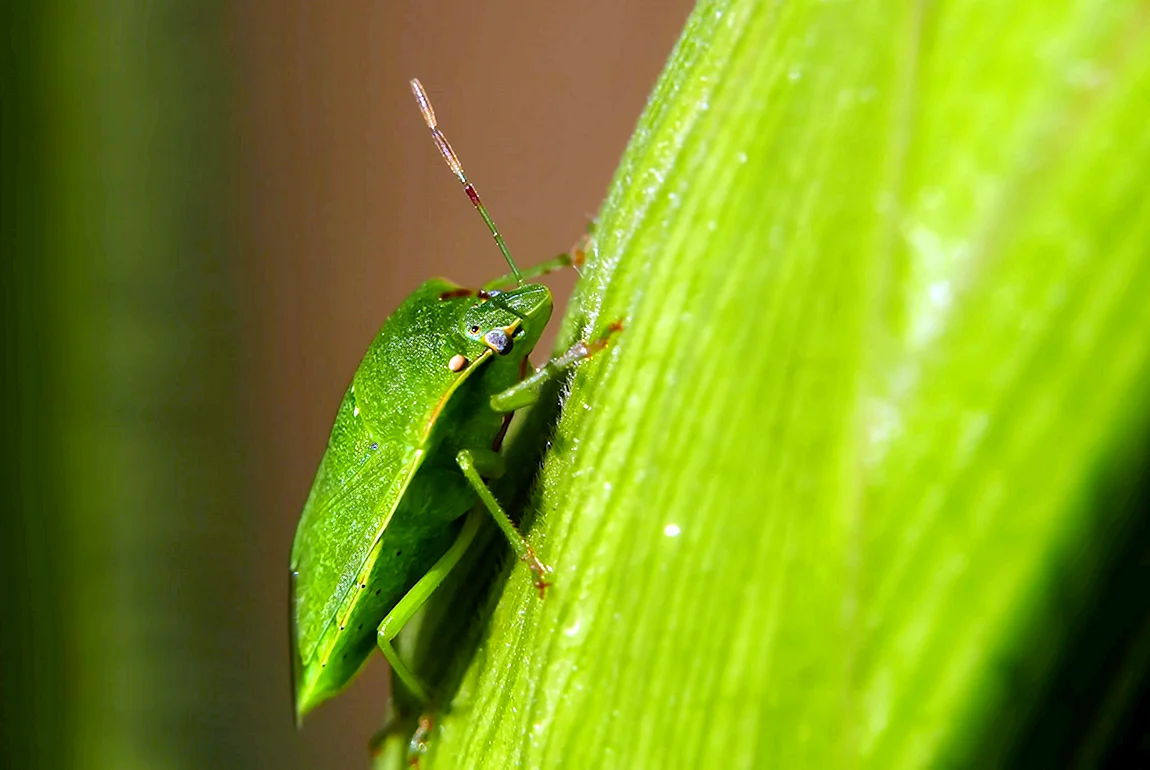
pixel 356 490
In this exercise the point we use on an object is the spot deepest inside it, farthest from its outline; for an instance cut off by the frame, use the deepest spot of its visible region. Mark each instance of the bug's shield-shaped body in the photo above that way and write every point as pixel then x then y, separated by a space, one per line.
pixel 388 495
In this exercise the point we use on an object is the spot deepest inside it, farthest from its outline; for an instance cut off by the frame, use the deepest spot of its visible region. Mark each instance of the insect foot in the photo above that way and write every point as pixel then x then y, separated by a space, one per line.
pixel 538 571
pixel 597 345
pixel 418 745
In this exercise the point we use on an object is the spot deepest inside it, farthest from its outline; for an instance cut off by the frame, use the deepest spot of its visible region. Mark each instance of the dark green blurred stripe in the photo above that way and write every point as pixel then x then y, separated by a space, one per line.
pixel 124 557
pixel 33 706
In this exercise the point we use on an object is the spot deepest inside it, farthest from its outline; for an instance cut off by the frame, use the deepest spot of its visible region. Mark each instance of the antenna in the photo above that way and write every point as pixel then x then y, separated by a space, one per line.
pixel 457 168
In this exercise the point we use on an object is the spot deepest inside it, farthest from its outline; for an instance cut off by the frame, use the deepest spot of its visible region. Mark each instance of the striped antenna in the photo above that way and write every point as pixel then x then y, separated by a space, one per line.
pixel 457 168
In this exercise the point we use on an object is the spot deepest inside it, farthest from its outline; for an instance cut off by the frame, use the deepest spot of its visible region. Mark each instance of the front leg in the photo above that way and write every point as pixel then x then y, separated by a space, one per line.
pixel 573 259
pixel 526 392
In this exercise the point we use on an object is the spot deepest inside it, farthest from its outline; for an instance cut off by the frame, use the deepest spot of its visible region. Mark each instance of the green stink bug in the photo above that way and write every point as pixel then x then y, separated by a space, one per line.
pixel 417 432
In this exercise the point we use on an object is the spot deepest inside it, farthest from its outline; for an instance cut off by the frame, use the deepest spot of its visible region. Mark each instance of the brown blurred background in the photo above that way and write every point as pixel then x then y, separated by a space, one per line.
pixel 347 207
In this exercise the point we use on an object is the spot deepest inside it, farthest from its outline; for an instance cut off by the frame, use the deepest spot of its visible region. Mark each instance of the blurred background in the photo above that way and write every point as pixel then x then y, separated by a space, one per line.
pixel 209 209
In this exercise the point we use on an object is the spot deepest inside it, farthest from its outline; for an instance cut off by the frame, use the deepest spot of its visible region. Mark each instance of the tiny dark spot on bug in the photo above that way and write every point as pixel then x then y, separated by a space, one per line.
pixel 341 628
pixel 374 446
pixel 399 553
pixel 377 592
pixel 359 627
pixel 363 585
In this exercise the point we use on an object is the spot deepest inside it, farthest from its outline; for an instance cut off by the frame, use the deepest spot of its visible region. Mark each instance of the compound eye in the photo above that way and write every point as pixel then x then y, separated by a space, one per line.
pixel 499 341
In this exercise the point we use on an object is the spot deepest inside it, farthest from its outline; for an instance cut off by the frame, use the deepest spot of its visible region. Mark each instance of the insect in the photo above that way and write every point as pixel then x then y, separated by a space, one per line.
pixel 393 505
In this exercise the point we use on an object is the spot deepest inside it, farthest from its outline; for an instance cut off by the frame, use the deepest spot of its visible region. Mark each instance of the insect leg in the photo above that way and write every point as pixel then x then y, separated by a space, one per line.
pixel 526 392
pixel 536 271
pixel 488 463
pixel 524 551
pixel 573 259
pixel 414 599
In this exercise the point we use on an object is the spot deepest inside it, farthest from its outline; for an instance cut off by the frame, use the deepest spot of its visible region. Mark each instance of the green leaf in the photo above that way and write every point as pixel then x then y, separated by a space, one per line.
pixel 863 454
